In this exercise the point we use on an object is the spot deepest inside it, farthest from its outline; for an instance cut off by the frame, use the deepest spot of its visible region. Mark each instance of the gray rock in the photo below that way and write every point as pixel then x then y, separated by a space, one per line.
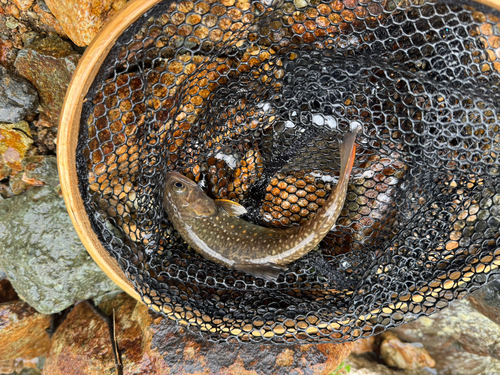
pixel 41 252
pixel 18 97
pixel 460 339
pixel 486 300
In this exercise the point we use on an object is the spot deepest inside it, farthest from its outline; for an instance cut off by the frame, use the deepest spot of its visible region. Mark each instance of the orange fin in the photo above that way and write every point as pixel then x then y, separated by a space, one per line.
pixel 347 153
pixel 232 208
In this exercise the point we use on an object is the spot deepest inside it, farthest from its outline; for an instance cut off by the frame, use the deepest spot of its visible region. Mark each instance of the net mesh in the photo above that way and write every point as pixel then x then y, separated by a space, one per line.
pixel 250 100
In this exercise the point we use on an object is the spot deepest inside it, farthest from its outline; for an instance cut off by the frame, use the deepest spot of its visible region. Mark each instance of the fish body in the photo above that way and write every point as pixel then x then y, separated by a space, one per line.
pixel 213 229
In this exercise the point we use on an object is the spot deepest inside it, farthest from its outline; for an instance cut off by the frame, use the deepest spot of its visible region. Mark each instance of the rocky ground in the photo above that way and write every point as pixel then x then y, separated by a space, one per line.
pixel 44 325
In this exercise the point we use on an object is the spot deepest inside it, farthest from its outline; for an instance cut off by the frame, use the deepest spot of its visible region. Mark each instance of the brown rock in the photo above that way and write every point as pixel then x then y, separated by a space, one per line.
pixel 48 64
pixel 364 345
pixel 22 331
pixel 82 20
pixel 13 10
pixel 15 143
pixel 153 345
pixel 404 356
pixel 7 53
pixel 49 20
pixel 23 4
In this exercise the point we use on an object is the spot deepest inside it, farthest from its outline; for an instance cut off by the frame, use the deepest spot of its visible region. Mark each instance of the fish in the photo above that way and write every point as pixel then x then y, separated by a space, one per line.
pixel 212 227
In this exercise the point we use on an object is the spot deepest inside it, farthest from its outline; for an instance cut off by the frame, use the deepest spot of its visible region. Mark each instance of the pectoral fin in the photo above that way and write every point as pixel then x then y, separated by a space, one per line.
pixel 266 271
pixel 232 208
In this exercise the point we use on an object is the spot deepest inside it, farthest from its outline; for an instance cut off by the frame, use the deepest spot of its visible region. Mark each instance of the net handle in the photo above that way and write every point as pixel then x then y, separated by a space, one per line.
pixel 67 136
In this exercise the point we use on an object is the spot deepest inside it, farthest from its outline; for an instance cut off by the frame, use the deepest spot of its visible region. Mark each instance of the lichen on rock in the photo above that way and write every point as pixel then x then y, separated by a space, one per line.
pixel 40 250
pixel 15 144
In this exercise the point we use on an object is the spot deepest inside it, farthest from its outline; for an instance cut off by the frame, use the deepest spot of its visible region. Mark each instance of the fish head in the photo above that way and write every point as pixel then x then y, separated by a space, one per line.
pixel 184 198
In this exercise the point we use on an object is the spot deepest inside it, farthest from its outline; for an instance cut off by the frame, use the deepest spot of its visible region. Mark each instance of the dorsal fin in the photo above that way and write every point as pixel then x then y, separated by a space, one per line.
pixel 232 208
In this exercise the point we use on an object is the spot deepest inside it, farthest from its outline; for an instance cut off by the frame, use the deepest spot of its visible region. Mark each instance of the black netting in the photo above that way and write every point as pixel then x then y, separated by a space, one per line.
pixel 250 100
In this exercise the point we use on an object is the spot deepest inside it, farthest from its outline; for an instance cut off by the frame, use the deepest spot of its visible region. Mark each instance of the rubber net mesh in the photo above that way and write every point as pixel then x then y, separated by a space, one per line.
pixel 250 100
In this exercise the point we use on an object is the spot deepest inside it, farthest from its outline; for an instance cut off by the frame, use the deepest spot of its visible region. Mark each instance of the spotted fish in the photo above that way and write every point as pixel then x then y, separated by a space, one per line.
pixel 213 229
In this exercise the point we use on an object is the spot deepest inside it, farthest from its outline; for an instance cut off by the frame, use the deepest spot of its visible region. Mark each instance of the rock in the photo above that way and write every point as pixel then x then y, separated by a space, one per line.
pixel 82 20
pixel 23 4
pixel 18 97
pixel 36 171
pixel 459 338
pixel 366 364
pixel 48 64
pixel 486 300
pixel 364 345
pixel 20 366
pixel 15 144
pixel 402 356
pixel 30 37
pixel 48 19
pixel 152 345
pixel 22 331
pixel 8 53
pixel 5 192
pixel 12 10
pixel 40 251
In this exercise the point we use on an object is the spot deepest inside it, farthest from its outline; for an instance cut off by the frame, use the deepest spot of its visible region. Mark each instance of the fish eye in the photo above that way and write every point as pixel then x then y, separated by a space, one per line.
pixel 179 187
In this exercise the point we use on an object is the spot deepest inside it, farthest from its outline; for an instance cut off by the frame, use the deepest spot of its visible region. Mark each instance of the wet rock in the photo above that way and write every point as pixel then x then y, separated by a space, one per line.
pixel 153 345
pixel 48 64
pixel 18 97
pixel 82 20
pixel 404 356
pixel 460 339
pixel 15 145
pixel 22 331
pixel 40 250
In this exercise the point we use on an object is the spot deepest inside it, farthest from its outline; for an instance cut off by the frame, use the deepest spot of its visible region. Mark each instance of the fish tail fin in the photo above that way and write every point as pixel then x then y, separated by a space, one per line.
pixel 347 153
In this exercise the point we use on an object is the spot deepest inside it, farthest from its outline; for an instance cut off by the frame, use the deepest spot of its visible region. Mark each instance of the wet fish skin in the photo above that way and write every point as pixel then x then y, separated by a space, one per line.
pixel 212 228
